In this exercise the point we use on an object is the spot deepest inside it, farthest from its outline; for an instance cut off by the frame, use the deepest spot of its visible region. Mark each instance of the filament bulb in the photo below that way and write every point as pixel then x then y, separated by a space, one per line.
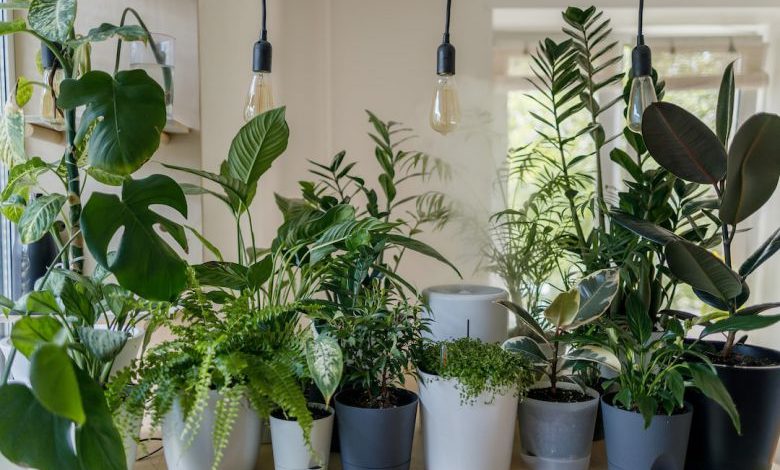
pixel 642 95
pixel 445 110
pixel 260 97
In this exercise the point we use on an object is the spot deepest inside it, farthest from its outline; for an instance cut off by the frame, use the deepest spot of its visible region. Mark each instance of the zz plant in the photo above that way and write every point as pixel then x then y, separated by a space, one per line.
pixel 743 175
pixel 547 346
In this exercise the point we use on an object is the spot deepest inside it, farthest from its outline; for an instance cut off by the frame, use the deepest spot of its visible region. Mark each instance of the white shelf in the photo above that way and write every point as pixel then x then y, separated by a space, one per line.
pixel 56 132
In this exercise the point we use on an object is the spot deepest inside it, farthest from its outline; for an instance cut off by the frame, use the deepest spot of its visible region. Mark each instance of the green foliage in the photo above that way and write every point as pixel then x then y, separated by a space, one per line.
pixel 326 364
pixel 144 263
pixel 54 383
pixel 479 368
pixel 52 19
pixel 12 135
pixel 39 216
pixel 107 31
pixel 124 116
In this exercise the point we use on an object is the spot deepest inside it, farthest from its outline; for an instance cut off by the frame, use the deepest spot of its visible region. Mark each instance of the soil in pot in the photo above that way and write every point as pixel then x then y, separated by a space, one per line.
pixel 289 446
pixel 752 377
pixel 631 446
pixel 376 438
pixel 556 429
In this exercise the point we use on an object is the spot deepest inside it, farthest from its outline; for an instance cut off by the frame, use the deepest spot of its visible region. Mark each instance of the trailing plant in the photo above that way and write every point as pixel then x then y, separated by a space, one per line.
pixel 479 368
pixel 653 371
pixel 368 307
pixel 743 176
pixel 548 344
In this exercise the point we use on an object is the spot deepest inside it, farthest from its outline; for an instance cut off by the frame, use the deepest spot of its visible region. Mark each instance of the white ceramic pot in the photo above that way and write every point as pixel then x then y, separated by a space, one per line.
pixel 240 453
pixel 459 311
pixel 130 351
pixel 290 450
pixel 470 436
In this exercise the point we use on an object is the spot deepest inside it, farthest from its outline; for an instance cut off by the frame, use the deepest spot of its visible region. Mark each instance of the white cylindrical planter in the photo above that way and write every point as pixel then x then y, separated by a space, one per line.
pixel 459 311
pixel 290 450
pixel 240 453
pixel 469 436
pixel 129 351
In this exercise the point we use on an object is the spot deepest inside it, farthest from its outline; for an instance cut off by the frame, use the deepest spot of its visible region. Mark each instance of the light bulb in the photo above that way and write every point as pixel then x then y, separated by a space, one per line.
pixel 260 97
pixel 445 110
pixel 642 95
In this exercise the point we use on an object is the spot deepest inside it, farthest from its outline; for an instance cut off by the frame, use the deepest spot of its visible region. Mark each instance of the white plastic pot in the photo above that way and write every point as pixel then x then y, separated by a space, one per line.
pixel 468 436
pixel 459 311
pixel 290 450
pixel 240 453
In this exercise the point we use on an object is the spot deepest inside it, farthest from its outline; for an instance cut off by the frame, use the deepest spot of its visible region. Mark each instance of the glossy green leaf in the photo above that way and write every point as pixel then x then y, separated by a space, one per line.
pixel 32 331
pixel 701 269
pixel 103 343
pixel 526 318
pixel 683 144
pixel 222 274
pixel 39 302
pixel 105 177
pixel 98 442
pixel 13 208
pixel 762 254
pixel 741 323
pixel 39 216
pixel 12 135
pixel 125 115
pixel 326 364
pixel 54 383
pixel 32 436
pixel 24 91
pixel 595 354
pixel 22 177
pixel 725 109
pixel 422 248
pixel 756 309
pixel 14 26
pixel 236 192
pixel 596 294
pixel 52 19
pixel 563 309
pixel 144 262
pixel 754 168
pixel 527 348
pixel 260 272
pixel 107 31
pixel 644 228
pixel 255 148
pixel 707 381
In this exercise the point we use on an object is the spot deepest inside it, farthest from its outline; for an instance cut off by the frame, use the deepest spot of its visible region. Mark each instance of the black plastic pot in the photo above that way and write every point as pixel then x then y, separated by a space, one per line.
pixel 715 444
pixel 373 438
pixel 632 447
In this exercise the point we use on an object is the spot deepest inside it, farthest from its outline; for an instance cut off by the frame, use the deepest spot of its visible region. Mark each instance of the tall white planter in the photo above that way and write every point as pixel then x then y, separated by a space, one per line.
pixel 242 449
pixel 290 450
pixel 459 311
pixel 459 436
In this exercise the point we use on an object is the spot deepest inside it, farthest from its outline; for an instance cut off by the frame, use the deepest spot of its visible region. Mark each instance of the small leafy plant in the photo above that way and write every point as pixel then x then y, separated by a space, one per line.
pixel 743 177
pixel 547 347
pixel 479 368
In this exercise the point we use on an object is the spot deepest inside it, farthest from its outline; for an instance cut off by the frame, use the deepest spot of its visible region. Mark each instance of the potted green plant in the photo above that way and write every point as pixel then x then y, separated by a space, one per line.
pixel 70 361
pixel 469 392
pixel 743 176
pixel 646 418
pixel 558 416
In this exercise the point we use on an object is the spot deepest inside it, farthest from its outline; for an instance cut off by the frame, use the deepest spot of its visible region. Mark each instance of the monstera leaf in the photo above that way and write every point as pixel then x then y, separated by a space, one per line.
pixel 125 115
pixel 754 168
pixel 255 148
pixel 144 263
pixel 683 144
pixel 52 19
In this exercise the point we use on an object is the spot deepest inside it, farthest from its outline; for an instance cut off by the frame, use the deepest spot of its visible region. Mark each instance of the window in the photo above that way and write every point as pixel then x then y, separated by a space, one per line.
pixel 6 229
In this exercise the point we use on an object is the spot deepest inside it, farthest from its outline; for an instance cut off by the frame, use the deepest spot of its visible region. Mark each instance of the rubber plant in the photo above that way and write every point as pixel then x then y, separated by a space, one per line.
pixel 743 176
pixel 548 345
pixel 119 131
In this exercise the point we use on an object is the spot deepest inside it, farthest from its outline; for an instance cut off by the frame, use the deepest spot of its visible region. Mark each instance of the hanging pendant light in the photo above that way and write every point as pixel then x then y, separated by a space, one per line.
pixel 445 109
pixel 260 96
pixel 642 88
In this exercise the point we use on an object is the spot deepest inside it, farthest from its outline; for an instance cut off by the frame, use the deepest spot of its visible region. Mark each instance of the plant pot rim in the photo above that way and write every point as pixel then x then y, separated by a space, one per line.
pixel 764 349
pixel 593 394
pixel 321 406
pixel 606 399
pixel 412 400
pixel 454 380
pixel 473 292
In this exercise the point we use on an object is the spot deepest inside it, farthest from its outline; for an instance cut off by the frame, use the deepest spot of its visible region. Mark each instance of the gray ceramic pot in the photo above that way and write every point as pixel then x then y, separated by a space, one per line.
pixel 630 446
pixel 373 438
pixel 557 435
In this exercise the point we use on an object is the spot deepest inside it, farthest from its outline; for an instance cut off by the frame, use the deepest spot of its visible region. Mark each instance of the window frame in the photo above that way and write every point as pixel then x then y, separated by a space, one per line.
pixel 9 262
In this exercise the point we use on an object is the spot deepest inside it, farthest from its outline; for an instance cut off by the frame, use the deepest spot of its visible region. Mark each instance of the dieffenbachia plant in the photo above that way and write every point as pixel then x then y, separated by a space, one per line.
pixel 743 175
pixel 547 346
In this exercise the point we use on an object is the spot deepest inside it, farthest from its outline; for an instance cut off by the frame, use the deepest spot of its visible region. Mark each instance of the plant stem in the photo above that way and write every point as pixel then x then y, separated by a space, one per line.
pixel 554 365
pixel 74 193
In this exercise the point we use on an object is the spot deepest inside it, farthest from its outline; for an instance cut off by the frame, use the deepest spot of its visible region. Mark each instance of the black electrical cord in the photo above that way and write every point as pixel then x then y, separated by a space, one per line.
pixel 447 23
pixel 640 38
pixel 264 31
pixel 445 55
pixel 150 454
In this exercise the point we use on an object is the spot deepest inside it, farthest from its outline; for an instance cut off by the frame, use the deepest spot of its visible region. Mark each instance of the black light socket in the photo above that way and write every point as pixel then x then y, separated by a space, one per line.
pixel 641 61
pixel 261 56
pixel 445 59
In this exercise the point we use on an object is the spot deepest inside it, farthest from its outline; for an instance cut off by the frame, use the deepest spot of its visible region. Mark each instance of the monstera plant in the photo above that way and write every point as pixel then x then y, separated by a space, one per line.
pixel 123 116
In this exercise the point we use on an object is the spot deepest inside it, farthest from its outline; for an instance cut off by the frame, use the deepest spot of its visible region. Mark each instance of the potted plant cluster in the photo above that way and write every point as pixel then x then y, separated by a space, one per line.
pixel 469 392
pixel 647 421
pixel 743 176
pixel 558 416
